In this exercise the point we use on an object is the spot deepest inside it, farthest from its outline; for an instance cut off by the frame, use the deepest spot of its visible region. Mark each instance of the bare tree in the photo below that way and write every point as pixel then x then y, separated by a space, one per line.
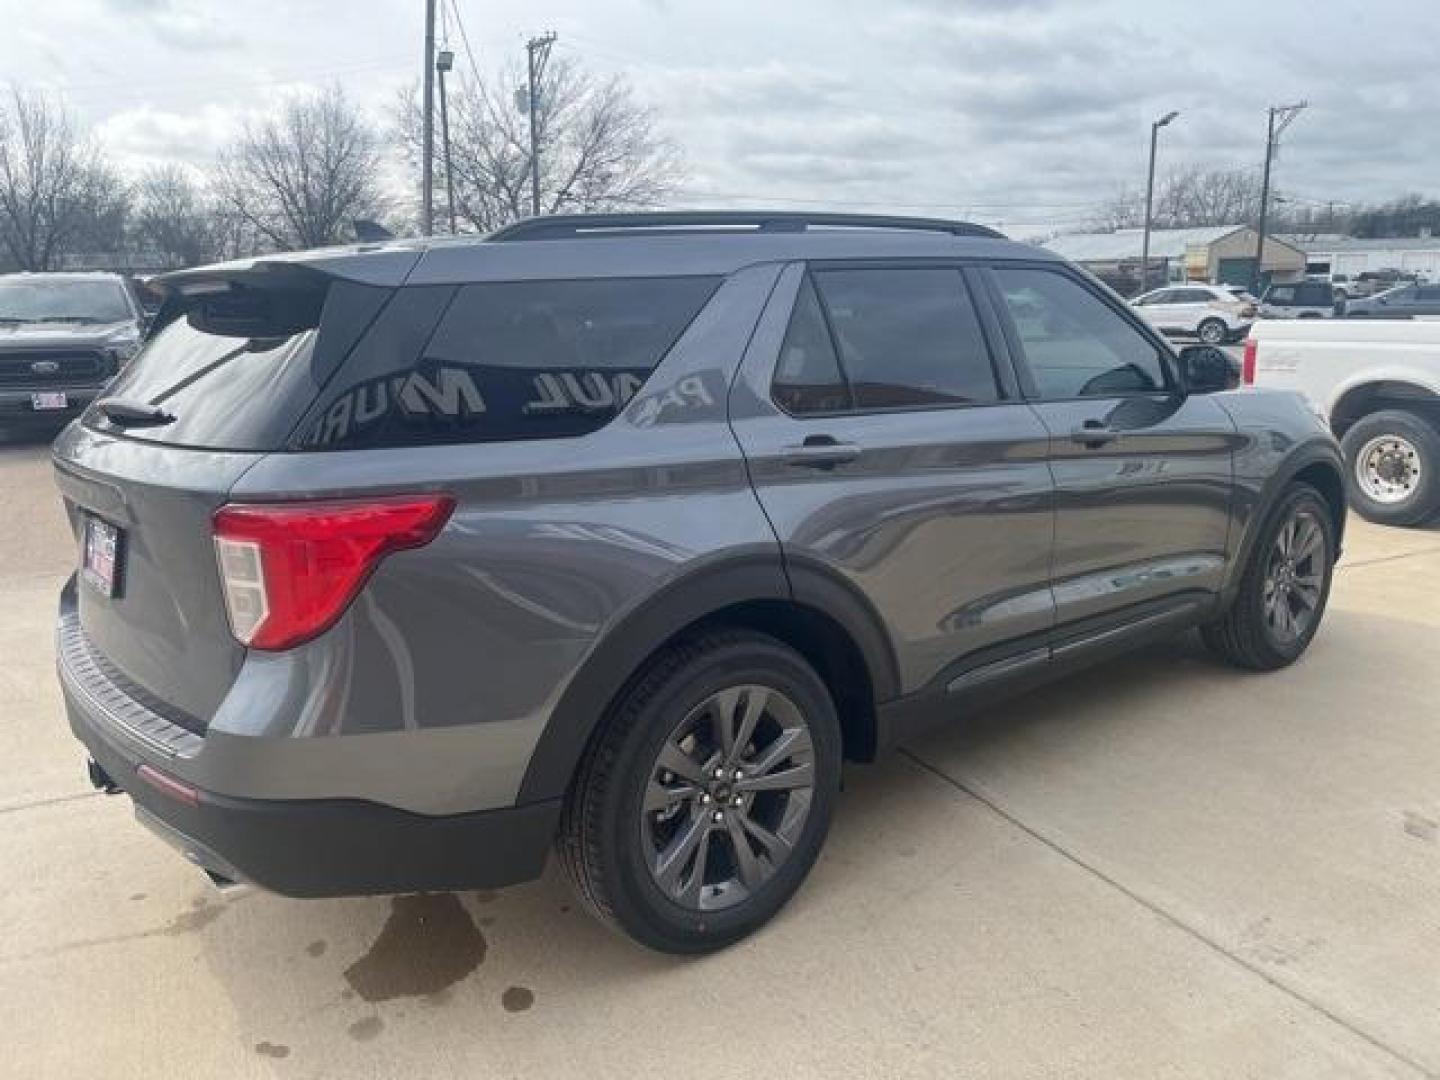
pixel 57 194
pixel 1124 209
pixel 300 178
pixel 1195 197
pixel 599 148
pixel 174 218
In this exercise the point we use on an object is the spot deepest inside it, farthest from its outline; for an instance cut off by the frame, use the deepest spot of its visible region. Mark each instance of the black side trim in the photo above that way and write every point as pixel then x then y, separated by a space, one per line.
pixel 997 674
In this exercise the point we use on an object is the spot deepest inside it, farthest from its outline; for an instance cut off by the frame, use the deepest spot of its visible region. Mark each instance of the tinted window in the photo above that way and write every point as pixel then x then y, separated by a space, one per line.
pixel 907 337
pixel 508 360
pixel 1313 295
pixel 1075 344
pixel 231 392
pixel 1192 296
pixel 1280 294
pixel 807 377
pixel 1164 296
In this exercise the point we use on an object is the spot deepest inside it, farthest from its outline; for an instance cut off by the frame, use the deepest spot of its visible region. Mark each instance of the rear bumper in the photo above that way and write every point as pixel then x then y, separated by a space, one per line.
pixel 332 847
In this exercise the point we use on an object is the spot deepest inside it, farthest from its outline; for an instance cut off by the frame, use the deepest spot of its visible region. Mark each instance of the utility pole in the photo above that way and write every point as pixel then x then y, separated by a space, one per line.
pixel 427 152
pixel 1281 117
pixel 444 61
pixel 1149 201
pixel 537 52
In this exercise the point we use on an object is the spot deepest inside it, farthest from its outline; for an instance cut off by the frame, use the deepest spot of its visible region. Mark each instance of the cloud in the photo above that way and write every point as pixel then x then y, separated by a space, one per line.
pixel 186 27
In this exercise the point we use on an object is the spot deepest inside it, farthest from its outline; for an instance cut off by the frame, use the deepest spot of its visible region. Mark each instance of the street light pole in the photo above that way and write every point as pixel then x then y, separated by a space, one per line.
pixel 427 151
pixel 537 51
pixel 444 61
pixel 1150 199
pixel 1281 117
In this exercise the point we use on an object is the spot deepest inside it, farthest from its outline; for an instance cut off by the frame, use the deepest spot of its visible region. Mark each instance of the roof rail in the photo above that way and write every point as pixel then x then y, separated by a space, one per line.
pixel 581 226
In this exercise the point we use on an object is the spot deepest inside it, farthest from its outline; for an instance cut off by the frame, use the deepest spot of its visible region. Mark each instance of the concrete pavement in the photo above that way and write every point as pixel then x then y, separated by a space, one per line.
pixel 1158 868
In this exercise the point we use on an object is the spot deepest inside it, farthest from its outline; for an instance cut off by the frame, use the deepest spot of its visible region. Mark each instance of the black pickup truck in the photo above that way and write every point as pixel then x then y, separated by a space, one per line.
pixel 62 338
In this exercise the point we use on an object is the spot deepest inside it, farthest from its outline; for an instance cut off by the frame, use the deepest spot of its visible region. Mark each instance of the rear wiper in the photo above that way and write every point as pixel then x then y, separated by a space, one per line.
pixel 126 412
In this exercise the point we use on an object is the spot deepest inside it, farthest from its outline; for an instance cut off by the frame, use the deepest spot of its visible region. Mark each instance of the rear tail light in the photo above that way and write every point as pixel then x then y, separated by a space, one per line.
pixel 1247 367
pixel 289 570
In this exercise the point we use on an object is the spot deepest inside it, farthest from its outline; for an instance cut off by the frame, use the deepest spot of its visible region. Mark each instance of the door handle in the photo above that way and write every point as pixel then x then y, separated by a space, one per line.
pixel 821 452
pixel 1094 433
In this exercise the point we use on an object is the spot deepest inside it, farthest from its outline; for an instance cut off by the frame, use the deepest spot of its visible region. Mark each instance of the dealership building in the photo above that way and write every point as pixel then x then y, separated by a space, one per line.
pixel 1219 253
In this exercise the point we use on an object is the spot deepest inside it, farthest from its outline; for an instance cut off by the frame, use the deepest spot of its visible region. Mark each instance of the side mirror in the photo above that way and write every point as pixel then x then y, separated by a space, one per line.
pixel 1208 370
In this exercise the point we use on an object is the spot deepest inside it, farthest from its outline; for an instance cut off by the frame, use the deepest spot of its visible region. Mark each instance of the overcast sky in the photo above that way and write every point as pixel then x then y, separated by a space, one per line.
pixel 1025 112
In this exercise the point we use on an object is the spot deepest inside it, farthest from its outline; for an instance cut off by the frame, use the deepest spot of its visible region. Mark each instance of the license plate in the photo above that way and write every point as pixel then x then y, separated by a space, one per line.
pixel 50 399
pixel 100 557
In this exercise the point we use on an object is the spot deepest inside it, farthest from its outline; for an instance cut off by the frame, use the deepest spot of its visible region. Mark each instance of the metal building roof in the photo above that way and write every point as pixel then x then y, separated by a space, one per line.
pixel 1127 243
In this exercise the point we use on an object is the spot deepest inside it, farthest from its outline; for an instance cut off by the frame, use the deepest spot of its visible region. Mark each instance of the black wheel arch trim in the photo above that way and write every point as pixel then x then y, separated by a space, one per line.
pixel 1320 451
pixel 703 592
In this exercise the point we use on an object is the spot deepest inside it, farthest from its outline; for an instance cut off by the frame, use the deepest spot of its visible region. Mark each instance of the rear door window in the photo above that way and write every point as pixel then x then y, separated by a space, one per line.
pixel 907 337
pixel 507 360
pixel 1193 296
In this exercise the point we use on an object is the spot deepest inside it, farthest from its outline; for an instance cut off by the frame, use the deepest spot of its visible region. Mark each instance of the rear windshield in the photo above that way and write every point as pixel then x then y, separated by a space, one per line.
pixel 505 360
pixel 233 392
pixel 37 300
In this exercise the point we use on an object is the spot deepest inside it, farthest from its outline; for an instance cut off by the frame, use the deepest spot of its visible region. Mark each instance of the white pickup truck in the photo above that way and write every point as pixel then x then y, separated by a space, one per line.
pixel 1378 384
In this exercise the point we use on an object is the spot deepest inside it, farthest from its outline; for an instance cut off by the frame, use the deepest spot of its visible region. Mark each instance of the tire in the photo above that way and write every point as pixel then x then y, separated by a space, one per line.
pixel 1253 634
pixel 613 847
pixel 1212 331
pixel 1392 468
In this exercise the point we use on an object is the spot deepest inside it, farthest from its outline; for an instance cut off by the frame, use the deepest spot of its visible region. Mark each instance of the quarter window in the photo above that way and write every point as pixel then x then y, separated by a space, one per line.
pixel 907 337
pixel 507 360
pixel 807 378
pixel 1075 344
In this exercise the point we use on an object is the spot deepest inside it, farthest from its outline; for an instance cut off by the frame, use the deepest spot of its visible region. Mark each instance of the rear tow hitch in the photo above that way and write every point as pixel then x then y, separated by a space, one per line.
pixel 101 779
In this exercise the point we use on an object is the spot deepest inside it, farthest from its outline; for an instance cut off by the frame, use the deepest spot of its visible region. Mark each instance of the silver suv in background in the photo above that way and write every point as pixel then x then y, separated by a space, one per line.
pixel 62 338
pixel 400 564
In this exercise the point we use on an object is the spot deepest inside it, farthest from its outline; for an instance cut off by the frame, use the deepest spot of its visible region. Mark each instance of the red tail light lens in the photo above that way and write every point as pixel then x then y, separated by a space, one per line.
pixel 1247 370
pixel 290 569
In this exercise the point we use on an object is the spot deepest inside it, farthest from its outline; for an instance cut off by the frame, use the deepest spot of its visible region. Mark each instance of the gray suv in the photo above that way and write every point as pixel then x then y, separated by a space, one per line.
pixel 399 565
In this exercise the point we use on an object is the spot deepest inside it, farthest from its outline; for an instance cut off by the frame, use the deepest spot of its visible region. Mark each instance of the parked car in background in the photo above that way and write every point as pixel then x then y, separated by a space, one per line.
pixel 1343 286
pixel 1371 282
pixel 1401 302
pixel 621 531
pixel 1213 313
pixel 1378 386
pixel 62 338
pixel 1299 300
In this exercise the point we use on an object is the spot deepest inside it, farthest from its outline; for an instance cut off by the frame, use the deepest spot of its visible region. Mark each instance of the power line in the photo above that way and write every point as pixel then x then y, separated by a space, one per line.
pixel 465 41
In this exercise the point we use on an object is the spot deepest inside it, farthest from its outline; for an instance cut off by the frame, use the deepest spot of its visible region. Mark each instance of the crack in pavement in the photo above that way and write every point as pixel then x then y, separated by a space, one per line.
pixel 51 800
pixel 990 803
pixel 1385 559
